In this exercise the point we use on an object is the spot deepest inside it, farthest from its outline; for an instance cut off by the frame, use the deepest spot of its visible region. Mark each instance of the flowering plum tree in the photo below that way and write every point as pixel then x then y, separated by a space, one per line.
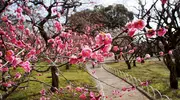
pixel 162 30
pixel 27 35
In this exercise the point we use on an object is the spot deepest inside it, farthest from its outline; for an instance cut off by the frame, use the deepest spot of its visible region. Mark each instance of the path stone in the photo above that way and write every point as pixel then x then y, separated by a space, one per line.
pixel 110 79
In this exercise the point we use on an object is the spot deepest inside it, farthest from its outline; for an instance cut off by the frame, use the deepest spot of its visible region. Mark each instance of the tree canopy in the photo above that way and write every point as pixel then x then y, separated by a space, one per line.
pixel 111 17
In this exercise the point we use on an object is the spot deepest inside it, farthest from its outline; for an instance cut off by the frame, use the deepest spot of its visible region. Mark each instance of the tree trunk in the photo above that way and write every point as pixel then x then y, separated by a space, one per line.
pixel 55 79
pixel 173 80
pixel 178 71
pixel 159 58
pixel 134 63
pixel 67 66
pixel 116 58
pixel 173 72
pixel 128 64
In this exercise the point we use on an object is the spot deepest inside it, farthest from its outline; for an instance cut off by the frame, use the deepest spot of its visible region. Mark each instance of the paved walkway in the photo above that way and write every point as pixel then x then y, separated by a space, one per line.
pixel 111 93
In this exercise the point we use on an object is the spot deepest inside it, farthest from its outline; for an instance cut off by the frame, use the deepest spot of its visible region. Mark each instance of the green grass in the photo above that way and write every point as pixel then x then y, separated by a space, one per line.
pixel 155 72
pixel 75 75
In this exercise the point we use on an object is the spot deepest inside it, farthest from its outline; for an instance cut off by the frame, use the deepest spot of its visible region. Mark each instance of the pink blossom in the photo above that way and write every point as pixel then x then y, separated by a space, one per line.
pixel 161 32
pixel 125 47
pixel 83 97
pixel 86 52
pixel 31 53
pixel 4 69
pixel 39 74
pixel 51 41
pixel 19 43
pixel 161 53
pixel 68 87
pixel 78 89
pixel 43 92
pixel 9 53
pixel 91 94
pixel 93 72
pixel 12 28
pixel 1 53
pixel 99 39
pixel 61 45
pixel 58 26
pixel 65 35
pixel 147 56
pixel 7 84
pixel 121 53
pixel 163 1
pixel 114 92
pixel 150 33
pixel 93 63
pixel 16 61
pixel 2 32
pixel 43 98
pixel 54 10
pixel 17 75
pixel 4 18
pixel 103 38
pixel 10 58
pixel 135 48
pixel 139 24
pixel 88 28
pixel 27 10
pixel 138 59
pixel 73 59
pixel 19 10
pixel 26 66
pixel 170 52
pixel 13 40
pixel 121 48
pixel 105 54
pixel 115 48
pixel 82 59
pixel 131 32
pixel 94 55
pixel 129 46
pixel 100 58
pixel 144 83
pixel 108 39
pixel 111 54
pixel 131 51
pixel 124 89
pixel 106 48
pixel 27 31
pixel 129 25
pixel 21 27
pixel 58 15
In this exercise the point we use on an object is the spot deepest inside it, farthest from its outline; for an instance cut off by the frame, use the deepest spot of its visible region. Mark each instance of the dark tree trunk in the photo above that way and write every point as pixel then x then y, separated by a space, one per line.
pixel 173 80
pixel 55 79
pixel 128 64
pixel 177 61
pixel 173 72
pixel 116 58
pixel 159 58
pixel 67 66
pixel 134 63
pixel 178 71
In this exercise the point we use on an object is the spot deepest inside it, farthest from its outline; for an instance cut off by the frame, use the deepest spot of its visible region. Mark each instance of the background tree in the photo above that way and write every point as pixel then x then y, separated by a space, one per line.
pixel 113 16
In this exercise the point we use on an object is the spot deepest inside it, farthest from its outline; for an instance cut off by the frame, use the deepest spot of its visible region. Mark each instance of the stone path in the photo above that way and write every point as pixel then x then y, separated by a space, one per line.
pixel 112 80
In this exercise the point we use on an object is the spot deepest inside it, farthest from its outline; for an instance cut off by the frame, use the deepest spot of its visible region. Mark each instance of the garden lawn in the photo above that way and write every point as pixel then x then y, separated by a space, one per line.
pixel 155 72
pixel 76 76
